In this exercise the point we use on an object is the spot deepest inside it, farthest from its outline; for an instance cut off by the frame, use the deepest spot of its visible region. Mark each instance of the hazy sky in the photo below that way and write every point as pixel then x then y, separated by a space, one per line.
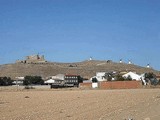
pixel 74 30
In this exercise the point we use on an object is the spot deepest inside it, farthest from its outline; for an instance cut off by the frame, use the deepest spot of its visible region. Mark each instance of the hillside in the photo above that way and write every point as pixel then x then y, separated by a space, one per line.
pixel 86 69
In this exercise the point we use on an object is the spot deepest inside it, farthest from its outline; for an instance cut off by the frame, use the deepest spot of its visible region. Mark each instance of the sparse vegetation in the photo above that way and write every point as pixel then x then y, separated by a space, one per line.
pixel 29 87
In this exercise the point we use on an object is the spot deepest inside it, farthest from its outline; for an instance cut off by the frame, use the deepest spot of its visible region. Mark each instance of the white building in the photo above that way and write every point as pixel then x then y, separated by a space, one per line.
pixel 133 75
pixel 100 76
pixel 59 76
pixel 18 81
pixel 55 81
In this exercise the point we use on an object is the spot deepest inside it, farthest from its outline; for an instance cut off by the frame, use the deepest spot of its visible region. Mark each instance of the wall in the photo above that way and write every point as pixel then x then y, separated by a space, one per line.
pixel 33 59
pixel 115 85
pixel 85 85
pixel 120 85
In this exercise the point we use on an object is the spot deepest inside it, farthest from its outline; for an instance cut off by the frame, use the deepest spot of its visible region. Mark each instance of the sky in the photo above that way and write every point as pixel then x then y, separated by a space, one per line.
pixel 74 30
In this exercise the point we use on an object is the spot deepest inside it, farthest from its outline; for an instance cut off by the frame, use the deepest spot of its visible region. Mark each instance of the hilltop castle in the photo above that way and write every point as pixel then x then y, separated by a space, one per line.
pixel 33 59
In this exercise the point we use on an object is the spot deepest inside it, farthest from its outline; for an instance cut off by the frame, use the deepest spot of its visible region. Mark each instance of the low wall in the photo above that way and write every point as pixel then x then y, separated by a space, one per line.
pixel 115 85
pixel 120 85
pixel 85 85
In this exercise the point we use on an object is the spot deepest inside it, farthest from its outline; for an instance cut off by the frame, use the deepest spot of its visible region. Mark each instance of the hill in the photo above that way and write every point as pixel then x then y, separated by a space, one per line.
pixel 86 69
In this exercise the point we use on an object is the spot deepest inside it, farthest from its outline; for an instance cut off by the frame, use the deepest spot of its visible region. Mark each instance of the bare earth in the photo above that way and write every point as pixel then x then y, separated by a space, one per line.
pixel 138 104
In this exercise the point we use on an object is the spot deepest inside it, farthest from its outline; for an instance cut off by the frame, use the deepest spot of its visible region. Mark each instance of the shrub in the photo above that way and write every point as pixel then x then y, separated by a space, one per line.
pixel 29 87
pixel 128 78
pixel 119 78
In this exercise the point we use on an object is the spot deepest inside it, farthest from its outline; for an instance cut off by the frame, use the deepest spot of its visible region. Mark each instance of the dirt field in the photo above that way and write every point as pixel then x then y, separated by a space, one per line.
pixel 138 104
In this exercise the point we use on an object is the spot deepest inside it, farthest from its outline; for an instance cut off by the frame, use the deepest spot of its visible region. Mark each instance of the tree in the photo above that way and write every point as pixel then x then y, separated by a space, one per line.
pixel 108 76
pixel 2 82
pixel 37 80
pixel 5 81
pixel 129 78
pixel 149 75
pixel 94 80
pixel 28 80
pixel 80 79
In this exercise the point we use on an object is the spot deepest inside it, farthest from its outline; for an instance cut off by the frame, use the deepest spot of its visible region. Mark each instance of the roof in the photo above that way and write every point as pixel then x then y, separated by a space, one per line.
pixel 71 75
pixel 134 76
pixel 19 78
pixel 52 80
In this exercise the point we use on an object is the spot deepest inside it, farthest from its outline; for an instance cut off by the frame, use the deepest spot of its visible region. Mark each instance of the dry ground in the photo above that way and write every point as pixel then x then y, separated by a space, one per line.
pixel 138 104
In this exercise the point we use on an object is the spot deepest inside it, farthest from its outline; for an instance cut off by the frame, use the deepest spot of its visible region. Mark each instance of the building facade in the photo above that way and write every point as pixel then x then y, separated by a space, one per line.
pixel 73 80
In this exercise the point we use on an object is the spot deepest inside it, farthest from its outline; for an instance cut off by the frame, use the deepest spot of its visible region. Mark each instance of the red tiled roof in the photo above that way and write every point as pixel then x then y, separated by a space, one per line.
pixel 71 75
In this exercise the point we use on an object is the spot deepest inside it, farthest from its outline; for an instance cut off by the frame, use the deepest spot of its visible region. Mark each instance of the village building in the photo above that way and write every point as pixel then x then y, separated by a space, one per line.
pixel 100 76
pixel 18 81
pixel 57 79
pixel 73 79
pixel 132 75
pixel 54 81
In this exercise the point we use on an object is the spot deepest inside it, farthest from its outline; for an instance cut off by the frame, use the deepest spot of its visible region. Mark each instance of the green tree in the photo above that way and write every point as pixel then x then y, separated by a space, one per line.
pixel 37 80
pixel 149 75
pixel 28 80
pixel 94 80
pixel 5 81
pixel 2 82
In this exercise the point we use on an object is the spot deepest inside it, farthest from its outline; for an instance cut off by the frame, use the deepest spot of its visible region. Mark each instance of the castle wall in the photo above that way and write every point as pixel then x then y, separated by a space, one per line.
pixel 33 59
